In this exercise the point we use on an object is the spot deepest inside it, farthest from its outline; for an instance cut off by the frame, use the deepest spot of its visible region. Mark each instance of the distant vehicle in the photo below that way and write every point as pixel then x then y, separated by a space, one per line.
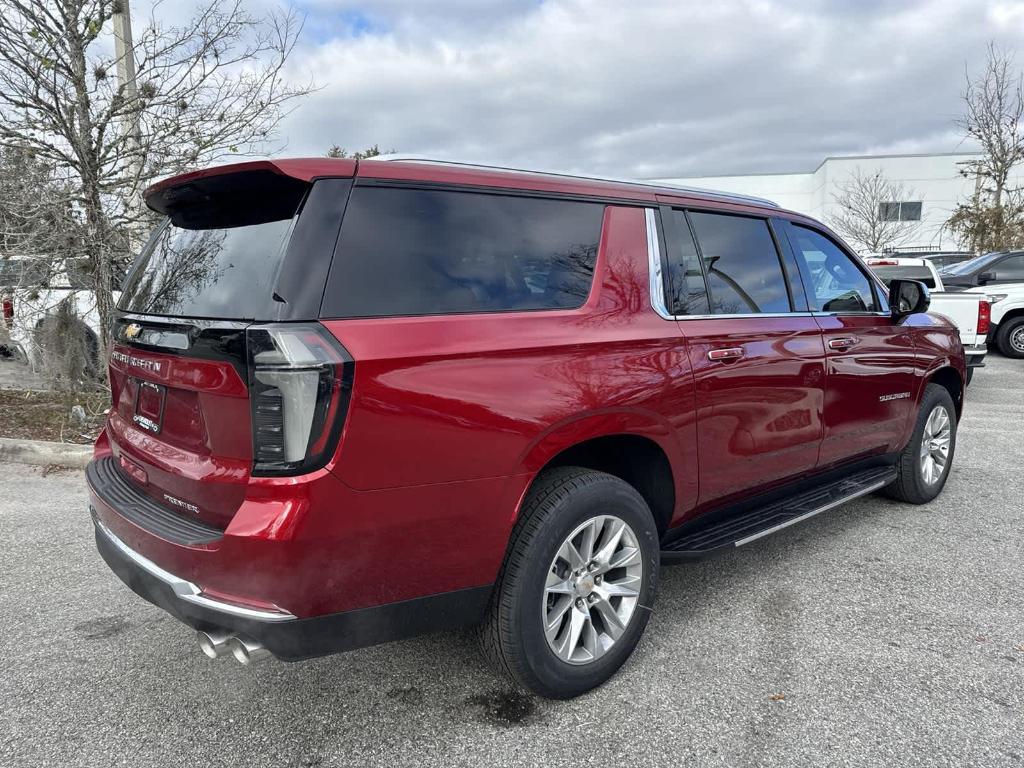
pixel 1007 332
pixel 941 260
pixel 31 290
pixel 988 269
pixel 969 312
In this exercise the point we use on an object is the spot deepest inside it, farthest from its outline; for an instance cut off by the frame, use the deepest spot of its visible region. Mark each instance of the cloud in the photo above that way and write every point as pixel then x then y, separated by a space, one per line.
pixel 648 89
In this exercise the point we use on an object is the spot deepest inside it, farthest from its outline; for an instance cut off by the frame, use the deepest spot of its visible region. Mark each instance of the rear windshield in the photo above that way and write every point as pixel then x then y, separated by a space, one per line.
pixel 423 252
pixel 888 274
pixel 217 257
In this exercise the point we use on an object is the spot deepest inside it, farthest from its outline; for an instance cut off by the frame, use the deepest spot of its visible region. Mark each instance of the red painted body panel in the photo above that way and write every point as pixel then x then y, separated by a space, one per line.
pixel 870 386
pixel 451 418
pixel 760 414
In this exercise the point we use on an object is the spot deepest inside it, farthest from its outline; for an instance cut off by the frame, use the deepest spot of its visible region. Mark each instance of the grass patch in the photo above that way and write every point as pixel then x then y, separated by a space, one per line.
pixel 30 415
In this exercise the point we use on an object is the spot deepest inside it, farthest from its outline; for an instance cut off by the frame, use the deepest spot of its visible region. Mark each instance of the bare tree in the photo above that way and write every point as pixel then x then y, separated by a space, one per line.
pixel 994 119
pixel 211 88
pixel 869 213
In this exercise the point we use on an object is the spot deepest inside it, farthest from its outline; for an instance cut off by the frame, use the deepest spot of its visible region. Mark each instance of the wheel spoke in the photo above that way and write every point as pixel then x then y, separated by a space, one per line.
pixel 557 585
pixel 626 587
pixel 587 539
pixel 613 535
pixel 577 620
pixel 613 624
pixel 555 616
pixel 624 558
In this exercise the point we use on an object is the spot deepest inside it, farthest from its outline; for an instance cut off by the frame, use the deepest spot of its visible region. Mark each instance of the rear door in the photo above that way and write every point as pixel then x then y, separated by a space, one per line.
pixel 755 350
pixel 870 381
pixel 236 250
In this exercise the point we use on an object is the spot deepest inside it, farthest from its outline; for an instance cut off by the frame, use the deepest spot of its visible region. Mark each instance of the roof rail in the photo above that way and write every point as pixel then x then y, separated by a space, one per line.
pixel 632 182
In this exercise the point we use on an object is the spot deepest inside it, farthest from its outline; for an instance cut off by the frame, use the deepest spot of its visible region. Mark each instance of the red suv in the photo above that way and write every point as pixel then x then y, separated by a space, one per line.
pixel 358 402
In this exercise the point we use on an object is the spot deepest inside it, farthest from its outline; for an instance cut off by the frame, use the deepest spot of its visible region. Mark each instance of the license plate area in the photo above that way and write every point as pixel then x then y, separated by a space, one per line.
pixel 149 405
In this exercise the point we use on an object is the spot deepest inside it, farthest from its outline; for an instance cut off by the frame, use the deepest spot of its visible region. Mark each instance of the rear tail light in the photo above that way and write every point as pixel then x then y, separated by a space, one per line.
pixel 8 311
pixel 300 379
pixel 984 316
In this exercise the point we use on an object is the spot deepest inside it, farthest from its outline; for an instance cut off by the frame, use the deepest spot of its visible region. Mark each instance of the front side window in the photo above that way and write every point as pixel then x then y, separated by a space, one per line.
pixel 428 252
pixel 744 274
pixel 888 274
pixel 836 283
pixel 1010 269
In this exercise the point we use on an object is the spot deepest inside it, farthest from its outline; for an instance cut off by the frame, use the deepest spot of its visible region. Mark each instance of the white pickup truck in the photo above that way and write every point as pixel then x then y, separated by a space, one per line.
pixel 1007 331
pixel 969 311
pixel 31 290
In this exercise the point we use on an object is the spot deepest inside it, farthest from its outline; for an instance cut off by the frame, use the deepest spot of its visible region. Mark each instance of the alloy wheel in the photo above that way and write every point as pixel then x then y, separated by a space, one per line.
pixel 592 589
pixel 935 442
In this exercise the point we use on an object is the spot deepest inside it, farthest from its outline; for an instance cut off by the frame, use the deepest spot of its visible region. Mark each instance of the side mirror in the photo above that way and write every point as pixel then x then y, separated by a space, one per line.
pixel 986 277
pixel 908 297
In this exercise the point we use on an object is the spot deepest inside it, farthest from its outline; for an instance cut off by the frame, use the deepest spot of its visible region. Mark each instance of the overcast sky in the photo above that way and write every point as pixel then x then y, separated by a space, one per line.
pixel 657 88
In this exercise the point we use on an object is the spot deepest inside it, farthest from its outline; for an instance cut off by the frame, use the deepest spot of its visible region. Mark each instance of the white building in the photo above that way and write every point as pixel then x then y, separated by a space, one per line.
pixel 934 181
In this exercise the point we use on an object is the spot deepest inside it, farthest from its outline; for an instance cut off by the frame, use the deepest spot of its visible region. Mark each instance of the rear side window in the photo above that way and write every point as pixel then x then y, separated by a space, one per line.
pixel 427 252
pixel 744 274
pixel 836 283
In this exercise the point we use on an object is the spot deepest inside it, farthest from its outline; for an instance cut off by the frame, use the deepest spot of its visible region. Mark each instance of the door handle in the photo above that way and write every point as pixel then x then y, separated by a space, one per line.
pixel 729 353
pixel 843 342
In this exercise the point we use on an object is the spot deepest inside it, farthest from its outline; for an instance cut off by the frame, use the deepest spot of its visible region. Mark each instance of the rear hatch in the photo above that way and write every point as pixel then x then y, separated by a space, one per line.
pixel 219 370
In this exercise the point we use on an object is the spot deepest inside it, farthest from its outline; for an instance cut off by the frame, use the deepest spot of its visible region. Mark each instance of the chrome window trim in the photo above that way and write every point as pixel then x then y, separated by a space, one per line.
pixel 657 283
pixel 186 590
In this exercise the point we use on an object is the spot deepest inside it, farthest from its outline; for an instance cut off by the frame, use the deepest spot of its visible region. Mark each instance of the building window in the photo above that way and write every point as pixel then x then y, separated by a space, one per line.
pixel 899 211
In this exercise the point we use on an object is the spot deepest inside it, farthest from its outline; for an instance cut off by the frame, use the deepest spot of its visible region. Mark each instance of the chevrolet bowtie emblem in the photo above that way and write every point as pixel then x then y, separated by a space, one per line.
pixel 133 330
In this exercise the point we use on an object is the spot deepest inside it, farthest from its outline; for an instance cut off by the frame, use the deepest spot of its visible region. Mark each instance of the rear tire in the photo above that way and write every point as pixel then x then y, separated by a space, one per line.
pixel 1010 337
pixel 924 464
pixel 539 600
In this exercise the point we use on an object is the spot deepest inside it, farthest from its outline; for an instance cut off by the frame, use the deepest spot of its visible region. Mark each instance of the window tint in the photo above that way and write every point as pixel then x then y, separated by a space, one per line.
pixel 419 252
pixel 1010 269
pixel 224 272
pixel 743 271
pixel 687 294
pixel 836 283
pixel 219 252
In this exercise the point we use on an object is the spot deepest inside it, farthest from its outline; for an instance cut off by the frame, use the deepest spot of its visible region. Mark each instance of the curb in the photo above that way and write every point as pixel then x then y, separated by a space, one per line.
pixel 44 453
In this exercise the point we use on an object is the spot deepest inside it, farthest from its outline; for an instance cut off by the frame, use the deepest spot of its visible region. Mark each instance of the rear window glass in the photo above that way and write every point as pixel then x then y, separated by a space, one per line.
pixel 424 252
pixel 219 252
pixel 888 274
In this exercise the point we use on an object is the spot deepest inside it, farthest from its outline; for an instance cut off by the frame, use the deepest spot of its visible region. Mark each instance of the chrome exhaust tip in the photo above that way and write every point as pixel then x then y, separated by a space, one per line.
pixel 213 643
pixel 247 651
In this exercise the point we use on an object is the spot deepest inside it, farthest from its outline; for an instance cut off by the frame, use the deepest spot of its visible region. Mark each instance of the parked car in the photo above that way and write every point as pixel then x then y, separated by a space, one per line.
pixel 354 402
pixel 939 258
pixel 987 269
pixel 947 258
pixel 969 312
pixel 31 290
pixel 1007 331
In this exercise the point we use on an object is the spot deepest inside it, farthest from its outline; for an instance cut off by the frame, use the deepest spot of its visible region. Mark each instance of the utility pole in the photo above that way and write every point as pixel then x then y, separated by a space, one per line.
pixel 124 50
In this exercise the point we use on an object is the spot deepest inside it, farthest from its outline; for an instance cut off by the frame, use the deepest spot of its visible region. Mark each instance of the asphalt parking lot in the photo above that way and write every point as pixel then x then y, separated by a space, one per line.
pixel 879 634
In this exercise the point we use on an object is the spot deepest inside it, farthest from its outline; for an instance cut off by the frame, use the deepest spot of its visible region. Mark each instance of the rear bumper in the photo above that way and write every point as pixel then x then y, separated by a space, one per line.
pixel 975 356
pixel 285 636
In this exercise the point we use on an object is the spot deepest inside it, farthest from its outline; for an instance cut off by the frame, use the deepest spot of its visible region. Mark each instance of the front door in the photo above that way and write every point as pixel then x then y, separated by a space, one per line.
pixel 756 352
pixel 870 372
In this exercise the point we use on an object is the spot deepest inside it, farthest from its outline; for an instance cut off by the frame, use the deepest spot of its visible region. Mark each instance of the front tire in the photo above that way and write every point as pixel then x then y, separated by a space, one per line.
pixel 577 586
pixel 924 464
